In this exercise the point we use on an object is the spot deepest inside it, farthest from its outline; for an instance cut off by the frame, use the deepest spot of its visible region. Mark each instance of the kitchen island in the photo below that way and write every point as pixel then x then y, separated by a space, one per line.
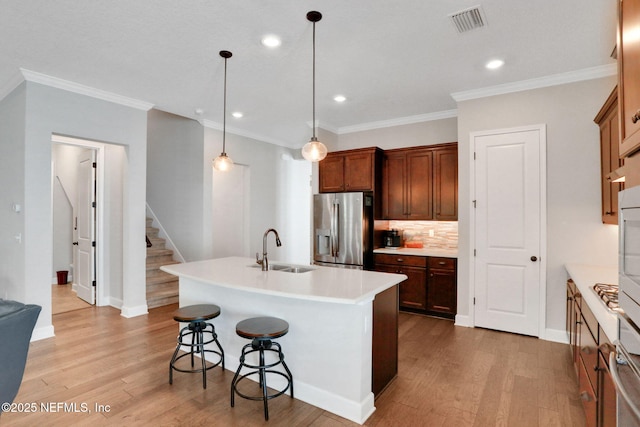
pixel 342 324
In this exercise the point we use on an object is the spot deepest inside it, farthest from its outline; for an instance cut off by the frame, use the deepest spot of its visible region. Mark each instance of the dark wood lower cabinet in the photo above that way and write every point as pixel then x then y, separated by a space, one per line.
pixel 384 360
pixel 431 284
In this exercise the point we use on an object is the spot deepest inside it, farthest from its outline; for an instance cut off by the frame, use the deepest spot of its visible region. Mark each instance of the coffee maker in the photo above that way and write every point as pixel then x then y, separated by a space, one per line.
pixel 393 238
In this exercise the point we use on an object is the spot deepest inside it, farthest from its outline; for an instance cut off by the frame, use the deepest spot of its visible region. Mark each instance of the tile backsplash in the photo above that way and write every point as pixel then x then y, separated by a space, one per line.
pixel 432 234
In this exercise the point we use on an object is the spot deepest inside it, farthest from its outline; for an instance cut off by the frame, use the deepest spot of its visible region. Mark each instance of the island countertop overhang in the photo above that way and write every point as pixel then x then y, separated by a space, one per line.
pixel 328 284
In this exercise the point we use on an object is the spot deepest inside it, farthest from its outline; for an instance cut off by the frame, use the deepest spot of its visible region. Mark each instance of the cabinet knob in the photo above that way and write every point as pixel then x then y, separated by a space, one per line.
pixel 608 213
pixel 399 260
pixel 585 396
pixel 636 117
pixel 534 258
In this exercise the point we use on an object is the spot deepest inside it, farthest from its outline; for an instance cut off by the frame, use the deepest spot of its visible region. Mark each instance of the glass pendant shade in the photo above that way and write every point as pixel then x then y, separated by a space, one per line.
pixel 314 150
pixel 222 163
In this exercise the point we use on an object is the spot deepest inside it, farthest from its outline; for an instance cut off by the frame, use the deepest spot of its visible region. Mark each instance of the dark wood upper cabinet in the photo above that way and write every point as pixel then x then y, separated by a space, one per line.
pixel 628 52
pixel 421 183
pixel 351 170
pixel 607 120
pixel 446 184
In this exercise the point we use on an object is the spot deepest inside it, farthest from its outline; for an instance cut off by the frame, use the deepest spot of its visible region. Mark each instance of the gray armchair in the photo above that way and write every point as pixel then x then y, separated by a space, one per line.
pixel 17 321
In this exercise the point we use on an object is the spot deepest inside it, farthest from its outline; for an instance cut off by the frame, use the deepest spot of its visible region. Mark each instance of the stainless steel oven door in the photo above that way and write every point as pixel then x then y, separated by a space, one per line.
pixel 624 365
pixel 629 255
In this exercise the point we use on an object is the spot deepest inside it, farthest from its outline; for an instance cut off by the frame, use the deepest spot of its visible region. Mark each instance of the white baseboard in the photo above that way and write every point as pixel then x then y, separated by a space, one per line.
pixel 42 333
pixel 556 335
pixel 463 320
pixel 134 311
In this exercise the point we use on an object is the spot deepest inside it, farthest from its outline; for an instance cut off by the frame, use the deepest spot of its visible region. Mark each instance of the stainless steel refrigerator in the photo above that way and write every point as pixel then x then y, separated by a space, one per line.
pixel 343 230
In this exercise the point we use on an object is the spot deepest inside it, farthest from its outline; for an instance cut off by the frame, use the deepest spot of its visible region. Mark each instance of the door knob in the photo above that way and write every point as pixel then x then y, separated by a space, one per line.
pixel 534 258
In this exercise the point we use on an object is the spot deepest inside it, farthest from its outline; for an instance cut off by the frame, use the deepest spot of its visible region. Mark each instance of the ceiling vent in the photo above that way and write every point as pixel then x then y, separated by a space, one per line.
pixel 468 19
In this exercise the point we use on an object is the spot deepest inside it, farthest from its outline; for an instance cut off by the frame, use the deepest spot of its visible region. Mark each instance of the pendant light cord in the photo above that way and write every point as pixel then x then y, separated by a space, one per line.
pixel 313 125
pixel 224 117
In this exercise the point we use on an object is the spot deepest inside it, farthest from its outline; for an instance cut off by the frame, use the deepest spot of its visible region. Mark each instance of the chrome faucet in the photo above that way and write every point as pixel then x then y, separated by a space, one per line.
pixel 264 262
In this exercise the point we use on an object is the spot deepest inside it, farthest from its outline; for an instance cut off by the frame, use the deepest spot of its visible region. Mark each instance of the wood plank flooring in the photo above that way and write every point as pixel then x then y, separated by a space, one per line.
pixel 448 376
pixel 64 298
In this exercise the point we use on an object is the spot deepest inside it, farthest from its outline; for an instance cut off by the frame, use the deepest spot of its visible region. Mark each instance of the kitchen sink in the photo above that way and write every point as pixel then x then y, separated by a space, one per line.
pixel 285 268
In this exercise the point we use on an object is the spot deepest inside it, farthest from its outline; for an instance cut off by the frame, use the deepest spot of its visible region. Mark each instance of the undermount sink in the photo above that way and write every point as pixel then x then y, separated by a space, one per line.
pixel 285 268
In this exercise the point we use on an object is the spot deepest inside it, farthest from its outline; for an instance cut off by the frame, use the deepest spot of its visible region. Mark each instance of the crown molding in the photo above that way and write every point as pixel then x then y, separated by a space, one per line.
pixel 240 132
pixel 439 115
pixel 537 83
pixel 32 76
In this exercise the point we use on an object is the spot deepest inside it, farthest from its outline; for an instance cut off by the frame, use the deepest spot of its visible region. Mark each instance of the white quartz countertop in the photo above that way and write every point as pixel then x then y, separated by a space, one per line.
pixel 585 276
pixel 329 284
pixel 446 253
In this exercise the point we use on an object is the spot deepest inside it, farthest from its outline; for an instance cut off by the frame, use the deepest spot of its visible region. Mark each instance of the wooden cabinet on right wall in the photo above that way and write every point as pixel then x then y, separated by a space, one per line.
pixel 628 52
pixel 607 119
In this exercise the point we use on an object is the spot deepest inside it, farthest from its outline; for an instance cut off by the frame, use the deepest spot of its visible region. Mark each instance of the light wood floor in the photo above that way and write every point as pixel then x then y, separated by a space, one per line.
pixel 448 376
pixel 64 299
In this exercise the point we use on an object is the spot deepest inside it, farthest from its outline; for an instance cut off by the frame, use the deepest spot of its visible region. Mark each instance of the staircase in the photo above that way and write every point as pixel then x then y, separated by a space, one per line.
pixel 162 288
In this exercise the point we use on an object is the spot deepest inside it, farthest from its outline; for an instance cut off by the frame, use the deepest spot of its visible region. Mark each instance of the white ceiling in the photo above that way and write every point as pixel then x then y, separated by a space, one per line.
pixel 393 60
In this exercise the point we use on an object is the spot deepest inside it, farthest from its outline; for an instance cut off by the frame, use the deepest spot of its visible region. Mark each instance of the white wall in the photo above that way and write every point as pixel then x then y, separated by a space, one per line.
pixel 179 186
pixel 64 199
pixel 47 111
pixel 12 160
pixel 575 232
pixel 269 176
pixel 175 178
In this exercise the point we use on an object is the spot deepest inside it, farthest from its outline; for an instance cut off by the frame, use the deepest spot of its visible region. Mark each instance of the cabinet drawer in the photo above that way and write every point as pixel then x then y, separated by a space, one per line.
pixel 411 260
pixel 589 352
pixel 446 263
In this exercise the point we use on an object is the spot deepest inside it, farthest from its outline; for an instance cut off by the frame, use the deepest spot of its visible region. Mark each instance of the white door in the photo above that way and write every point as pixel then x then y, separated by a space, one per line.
pixel 84 276
pixel 508 230
pixel 230 212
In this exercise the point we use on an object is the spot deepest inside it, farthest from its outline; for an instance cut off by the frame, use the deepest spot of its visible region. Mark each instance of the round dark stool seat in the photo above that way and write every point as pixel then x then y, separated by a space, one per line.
pixel 197 330
pixel 261 331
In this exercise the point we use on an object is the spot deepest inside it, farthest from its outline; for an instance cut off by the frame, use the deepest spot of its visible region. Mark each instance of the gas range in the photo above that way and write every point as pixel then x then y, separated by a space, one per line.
pixel 608 295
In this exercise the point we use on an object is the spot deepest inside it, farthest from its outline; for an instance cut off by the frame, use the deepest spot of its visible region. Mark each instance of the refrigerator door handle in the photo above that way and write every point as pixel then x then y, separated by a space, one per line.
pixel 337 229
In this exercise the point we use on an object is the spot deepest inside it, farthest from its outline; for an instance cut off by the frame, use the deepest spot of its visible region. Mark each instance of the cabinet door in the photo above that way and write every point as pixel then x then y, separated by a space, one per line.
pixel 610 160
pixel 607 415
pixel 413 291
pixel 628 51
pixel 331 174
pixel 441 291
pixel 419 185
pixel 446 184
pixel 587 396
pixel 359 172
pixel 393 201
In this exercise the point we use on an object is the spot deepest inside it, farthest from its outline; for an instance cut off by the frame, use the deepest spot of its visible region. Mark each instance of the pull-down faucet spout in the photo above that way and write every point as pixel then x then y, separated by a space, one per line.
pixel 264 262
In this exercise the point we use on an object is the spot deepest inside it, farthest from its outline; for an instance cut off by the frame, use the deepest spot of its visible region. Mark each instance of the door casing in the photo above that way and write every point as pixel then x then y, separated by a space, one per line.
pixel 541 128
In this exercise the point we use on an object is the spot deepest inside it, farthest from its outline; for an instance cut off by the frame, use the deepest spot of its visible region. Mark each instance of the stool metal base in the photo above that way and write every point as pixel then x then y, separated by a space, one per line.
pixel 196 331
pixel 261 345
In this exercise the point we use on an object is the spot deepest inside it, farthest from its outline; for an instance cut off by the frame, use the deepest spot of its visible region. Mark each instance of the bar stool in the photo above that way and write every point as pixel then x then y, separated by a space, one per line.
pixel 261 331
pixel 197 329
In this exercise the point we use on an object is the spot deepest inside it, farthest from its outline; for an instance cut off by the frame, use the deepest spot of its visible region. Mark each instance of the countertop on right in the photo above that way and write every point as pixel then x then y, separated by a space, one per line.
pixel 585 276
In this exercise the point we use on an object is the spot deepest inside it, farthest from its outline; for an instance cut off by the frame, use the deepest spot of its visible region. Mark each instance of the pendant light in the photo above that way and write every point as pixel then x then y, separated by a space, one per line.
pixel 223 162
pixel 314 150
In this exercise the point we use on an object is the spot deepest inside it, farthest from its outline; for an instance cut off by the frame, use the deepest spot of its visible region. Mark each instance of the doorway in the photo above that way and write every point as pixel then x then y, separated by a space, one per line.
pixel 107 221
pixel 508 229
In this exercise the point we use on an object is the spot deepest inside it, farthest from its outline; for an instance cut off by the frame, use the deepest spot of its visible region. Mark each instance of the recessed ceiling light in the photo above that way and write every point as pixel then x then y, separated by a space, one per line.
pixel 237 114
pixel 271 41
pixel 494 64
pixel 339 98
